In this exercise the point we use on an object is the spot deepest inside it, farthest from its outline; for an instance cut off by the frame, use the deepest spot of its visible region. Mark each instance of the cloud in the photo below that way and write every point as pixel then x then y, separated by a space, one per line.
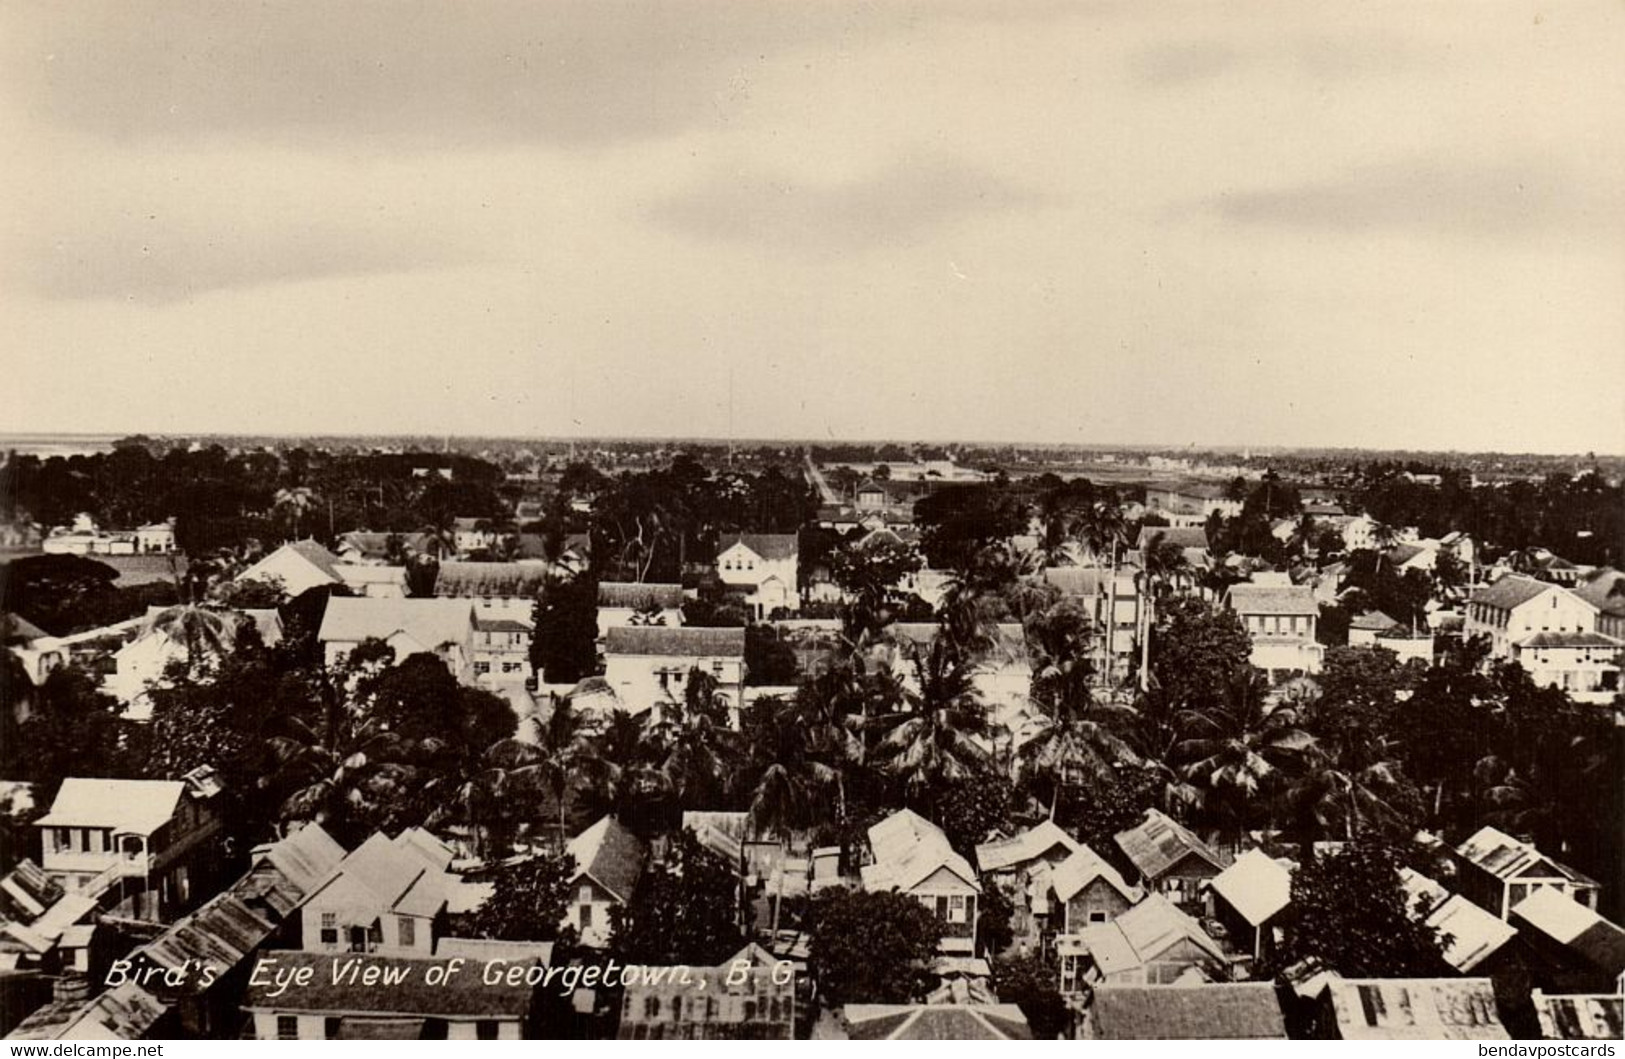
pixel 890 207
pixel 157 263
pixel 434 75
pixel 1528 198
pixel 1316 58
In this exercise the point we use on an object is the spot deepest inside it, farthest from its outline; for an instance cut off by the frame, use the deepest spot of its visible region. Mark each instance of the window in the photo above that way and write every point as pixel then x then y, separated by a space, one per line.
pixel 942 908
pixel 956 908
pixel 287 1027
pixel 62 839
pixel 358 939
pixel 330 1027
pixel 586 917
pixel 482 668
pixel 406 929
pixel 1097 917
pixel 485 1030
pixel 585 893
pixel 510 667
pixel 651 1007
pixel 330 930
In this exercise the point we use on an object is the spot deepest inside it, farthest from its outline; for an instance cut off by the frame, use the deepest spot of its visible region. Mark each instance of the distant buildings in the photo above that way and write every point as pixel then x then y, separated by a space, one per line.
pixel 441 627
pixel 646 665
pixel 1281 621
pixel 766 565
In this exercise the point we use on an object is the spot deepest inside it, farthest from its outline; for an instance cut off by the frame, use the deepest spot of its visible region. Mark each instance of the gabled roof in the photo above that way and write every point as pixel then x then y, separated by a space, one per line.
pixel 363 574
pixel 639 595
pixel 1514 590
pixel 1143 933
pixel 1226 1011
pixel 936 1022
pixel 1257 886
pixel 311 552
pixel 401 874
pixel 768 546
pixel 1415 1009
pixel 1086 580
pixel 1507 858
pixel 1272 599
pixel 462 996
pixel 1580 1018
pixel 1475 935
pixel 1373 621
pixel 909 849
pixel 680 640
pixel 1027 846
pixel 1084 867
pixel 1158 843
pixel 26 892
pixel 431 622
pixel 137 807
pixel 1597 941
pixel 467 580
pixel 304 857
pixel 1605 590
pixel 610 855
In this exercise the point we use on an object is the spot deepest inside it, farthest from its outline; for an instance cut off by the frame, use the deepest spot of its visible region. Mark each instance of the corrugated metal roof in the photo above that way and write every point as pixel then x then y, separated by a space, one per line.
pixel 1232 1011
pixel 1026 846
pixel 678 641
pixel 1159 843
pixel 1257 886
pixel 1415 1009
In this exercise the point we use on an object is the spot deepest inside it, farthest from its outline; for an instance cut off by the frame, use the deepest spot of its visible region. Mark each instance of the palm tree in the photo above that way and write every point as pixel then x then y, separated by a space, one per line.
pixel 205 631
pixel 295 501
pixel 789 791
pixel 343 772
pixel 1164 566
pixel 1234 750
pixel 1101 527
pixel 695 749
pixel 558 756
pixel 940 736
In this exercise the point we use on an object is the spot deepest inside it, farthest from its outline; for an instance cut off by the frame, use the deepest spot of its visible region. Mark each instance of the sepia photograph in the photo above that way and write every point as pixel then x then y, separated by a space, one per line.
pixel 821 520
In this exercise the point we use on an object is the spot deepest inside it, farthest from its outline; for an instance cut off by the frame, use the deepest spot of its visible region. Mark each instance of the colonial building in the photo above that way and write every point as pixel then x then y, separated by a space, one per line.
pixel 1516 607
pixel 912 856
pixel 441 627
pixel 1281 621
pixel 766 564
pixel 609 861
pixel 646 665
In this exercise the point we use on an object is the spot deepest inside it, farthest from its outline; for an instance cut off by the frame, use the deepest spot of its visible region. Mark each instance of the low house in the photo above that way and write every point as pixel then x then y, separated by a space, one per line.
pixel 373 997
pixel 1475 936
pixel 143 662
pixel 1497 871
pixel 646 665
pixel 298 567
pixel 934 1022
pixel 609 861
pixel 375 582
pixel 1153 943
pixel 747 997
pixel 192 974
pixel 1409 1009
pixel 1365 628
pixel 1576 950
pixel 147 848
pixel 42 926
pixel 389 896
pixel 623 603
pixel 441 627
pixel 1249 899
pixel 1597 1017
pixel 1583 664
pixel 1021 866
pixel 766 564
pixel 912 856
pixel 474 535
pixel 1168 859
pixel 155 538
pixel 1280 620
pixel 1516 607
pixel 1087 890
pixel 1221 1011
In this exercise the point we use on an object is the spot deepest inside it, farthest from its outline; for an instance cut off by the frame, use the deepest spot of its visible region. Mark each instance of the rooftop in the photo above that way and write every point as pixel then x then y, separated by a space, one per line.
pixel 1505 857
pixel 686 641
pixel 1082 868
pixel 935 1022
pixel 768 546
pixel 1510 591
pixel 1273 599
pixel 610 855
pixel 1257 886
pixel 1229 1011
pixel 639 595
pixel 1026 846
pixel 1158 843
pixel 1415 1009
pixel 466 580
pixel 430 622
pixel 137 807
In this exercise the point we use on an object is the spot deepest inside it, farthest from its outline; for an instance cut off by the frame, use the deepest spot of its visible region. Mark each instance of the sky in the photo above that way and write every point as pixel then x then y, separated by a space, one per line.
pixel 1384 225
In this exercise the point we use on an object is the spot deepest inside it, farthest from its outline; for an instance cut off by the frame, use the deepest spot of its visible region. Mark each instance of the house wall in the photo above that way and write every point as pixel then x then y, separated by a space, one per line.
pixel 1182 883
pixel 738 565
pixel 290 568
pixel 1099 899
pixel 588 912
pixel 641 681
pixel 341 899
pixel 1554 610
pixel 314 1027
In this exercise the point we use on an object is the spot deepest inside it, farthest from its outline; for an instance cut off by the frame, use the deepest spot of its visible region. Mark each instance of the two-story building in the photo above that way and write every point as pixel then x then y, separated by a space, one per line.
pixel 1169 859
pixel 441 627
pixel 766 564
pixel 647 665
pixel 1021 866
pixel 609 861
pixel 497 590
pixel 1604 589
pixel 912 856
pixel 1087 891
pixel 1516 607
pixel 145 848
pixel 1280 620
pixel 1113 602
pixel 746 997
pixel 501 650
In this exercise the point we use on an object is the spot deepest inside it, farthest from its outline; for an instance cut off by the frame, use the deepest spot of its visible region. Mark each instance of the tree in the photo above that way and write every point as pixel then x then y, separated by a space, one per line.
pixel 295 503
pixel 1235 749
pixel 872 571
pixel 683 911
pixel 936 739
pixel 872 948
pixel 1196 651
pixel 564 641
pixel 1031 982
pixel 558 756
pixel 72 729
pixel 958 523
pixel 1350 916
pixel 769 659
pixel 528 899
